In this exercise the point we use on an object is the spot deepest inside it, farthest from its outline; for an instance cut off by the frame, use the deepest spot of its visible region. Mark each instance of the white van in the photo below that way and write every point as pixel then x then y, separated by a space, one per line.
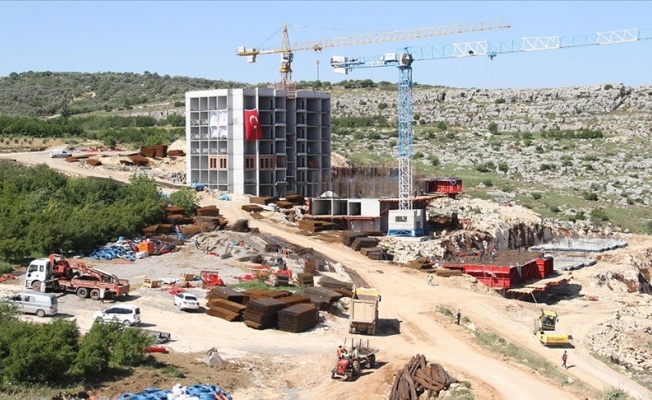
pixel 41 304
pixel 60 154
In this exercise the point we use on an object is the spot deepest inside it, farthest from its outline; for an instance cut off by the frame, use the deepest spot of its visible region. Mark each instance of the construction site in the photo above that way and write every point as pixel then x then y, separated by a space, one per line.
pixel 426 291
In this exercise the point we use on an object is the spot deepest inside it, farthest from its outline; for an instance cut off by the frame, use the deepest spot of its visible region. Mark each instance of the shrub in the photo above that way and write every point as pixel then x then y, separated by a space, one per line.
pixel 441 125
pixel 599 214
pixel 536 196
pixel 503 167
pixel 500 101
pixel 434 160
pixel 590 196
pixel 493 128
pixel 382 106
pixel 41 352
pixel 608 87
pixel 418 155
pixel 487 183
pixel 392 143
pixel 614 393
pixel 5 268
pixel 185 198
pixel 487 166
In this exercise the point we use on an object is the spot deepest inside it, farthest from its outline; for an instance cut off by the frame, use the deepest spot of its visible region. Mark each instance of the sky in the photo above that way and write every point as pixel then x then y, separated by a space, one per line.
pixel 200 39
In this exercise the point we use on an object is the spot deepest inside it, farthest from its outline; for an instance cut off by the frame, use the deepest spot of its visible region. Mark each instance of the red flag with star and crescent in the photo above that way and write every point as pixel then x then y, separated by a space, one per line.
pixel 253 129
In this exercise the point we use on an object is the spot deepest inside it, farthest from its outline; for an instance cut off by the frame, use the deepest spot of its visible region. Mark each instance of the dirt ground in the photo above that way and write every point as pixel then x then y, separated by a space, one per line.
pixel 272 364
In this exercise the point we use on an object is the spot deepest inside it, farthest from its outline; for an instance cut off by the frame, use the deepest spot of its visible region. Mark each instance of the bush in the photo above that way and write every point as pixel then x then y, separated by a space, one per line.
pixel 599 214
pixel 487 183
pixel 5 268
pixel 536 196
pixel 488 166
pixel 493 128
pixel 185 198
pixel 441 125
pixel 590 196
pixel 608 87
pixel 614 393
pixel 434 160
pixel 41 353
pixel 503 167
pixel 382 106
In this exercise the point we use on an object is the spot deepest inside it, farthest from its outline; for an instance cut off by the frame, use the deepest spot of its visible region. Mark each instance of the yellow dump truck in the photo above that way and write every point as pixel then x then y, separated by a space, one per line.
pixel 544 329
pixel 363 316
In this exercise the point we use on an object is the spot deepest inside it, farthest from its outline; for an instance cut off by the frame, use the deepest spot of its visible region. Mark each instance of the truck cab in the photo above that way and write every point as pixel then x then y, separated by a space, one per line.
pixel 38 272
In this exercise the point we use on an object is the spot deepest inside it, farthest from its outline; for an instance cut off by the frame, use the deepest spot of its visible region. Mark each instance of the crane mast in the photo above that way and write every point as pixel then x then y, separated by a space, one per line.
pixel 287 51
pixel 404 58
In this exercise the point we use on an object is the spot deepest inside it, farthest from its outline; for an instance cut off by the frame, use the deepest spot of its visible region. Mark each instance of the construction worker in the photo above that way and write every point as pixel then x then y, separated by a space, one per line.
pixel 458 315
pixel 564 357
pixel 356 353
pixel 430 277
pixel 340 352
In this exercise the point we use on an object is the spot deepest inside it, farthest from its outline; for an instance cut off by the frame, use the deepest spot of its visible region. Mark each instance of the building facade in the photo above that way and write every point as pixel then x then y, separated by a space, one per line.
pixel 291 155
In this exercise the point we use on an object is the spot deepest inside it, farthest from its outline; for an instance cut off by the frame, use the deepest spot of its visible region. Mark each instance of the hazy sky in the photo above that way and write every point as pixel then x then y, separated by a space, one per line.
pixel 200 39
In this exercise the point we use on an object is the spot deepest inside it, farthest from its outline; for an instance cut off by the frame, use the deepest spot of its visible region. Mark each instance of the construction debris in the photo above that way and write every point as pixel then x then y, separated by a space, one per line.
pixel 178 392
pixel 418 377
pixel 212 358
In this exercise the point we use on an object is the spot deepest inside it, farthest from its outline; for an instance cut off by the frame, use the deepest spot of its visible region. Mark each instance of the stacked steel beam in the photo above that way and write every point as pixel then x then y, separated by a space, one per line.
pixel 298 318
pixel 225 303
pixel 262 313
pixel 321 297
pixel 305 279
pixel 332 283
pixel 296 299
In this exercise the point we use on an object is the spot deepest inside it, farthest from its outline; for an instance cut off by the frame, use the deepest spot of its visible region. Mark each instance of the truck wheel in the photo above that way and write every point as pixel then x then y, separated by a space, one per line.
pixel 36 286
pixel 82 292
pixel 372 361
pixel 333 374
pixel 40 313
pixel 95 294
pixel 348 375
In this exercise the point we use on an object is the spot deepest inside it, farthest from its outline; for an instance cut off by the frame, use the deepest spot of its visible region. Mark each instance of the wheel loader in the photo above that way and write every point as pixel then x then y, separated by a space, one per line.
pixel 544 329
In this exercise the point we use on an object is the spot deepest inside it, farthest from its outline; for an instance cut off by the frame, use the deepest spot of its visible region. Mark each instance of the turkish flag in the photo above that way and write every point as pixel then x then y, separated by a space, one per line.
pixel 253 129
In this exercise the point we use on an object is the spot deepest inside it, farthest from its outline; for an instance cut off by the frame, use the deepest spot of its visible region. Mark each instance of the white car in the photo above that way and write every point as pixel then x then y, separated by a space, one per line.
pixel 125 315
pixel 60 154
pixel 186 301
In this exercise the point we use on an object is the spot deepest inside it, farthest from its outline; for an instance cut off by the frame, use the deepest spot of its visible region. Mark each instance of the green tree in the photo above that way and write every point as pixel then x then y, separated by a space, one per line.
pixel 185 198
pixel 42 352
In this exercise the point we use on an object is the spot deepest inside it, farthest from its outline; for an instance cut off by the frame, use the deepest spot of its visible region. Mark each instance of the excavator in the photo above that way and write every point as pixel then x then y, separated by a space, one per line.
pixel 544 329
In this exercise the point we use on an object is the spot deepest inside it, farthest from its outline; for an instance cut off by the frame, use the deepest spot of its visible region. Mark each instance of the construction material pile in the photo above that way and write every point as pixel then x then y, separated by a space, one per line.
pixel 298 318
pixel 305 279
pixel 321 297
pixel 262 313
pixel 159 151
pixel 225 303
pixel 312 226
pixel 419 377
pixel 178 392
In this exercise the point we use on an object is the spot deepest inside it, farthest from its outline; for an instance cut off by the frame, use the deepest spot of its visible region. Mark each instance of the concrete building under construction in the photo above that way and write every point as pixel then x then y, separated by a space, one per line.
pixel 259 141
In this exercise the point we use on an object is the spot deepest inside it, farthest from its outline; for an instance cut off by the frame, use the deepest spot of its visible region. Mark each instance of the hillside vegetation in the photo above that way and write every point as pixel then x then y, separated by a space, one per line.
pixel 578 153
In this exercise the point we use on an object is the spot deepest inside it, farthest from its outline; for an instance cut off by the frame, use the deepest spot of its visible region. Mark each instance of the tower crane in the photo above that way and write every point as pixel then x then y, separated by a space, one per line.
pixel 404 58
pixel 287 52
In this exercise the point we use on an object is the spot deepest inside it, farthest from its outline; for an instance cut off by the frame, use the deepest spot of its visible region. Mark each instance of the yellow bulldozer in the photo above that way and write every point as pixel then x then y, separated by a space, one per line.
pixel 544 329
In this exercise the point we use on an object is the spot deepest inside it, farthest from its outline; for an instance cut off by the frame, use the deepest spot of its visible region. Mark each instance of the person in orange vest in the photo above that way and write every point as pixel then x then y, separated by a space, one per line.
pixel 340 352
pixel 564 357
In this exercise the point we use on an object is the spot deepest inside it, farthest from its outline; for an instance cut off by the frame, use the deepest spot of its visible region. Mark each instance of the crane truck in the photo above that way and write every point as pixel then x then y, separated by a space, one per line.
pixel 59 274
pixel 364 310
